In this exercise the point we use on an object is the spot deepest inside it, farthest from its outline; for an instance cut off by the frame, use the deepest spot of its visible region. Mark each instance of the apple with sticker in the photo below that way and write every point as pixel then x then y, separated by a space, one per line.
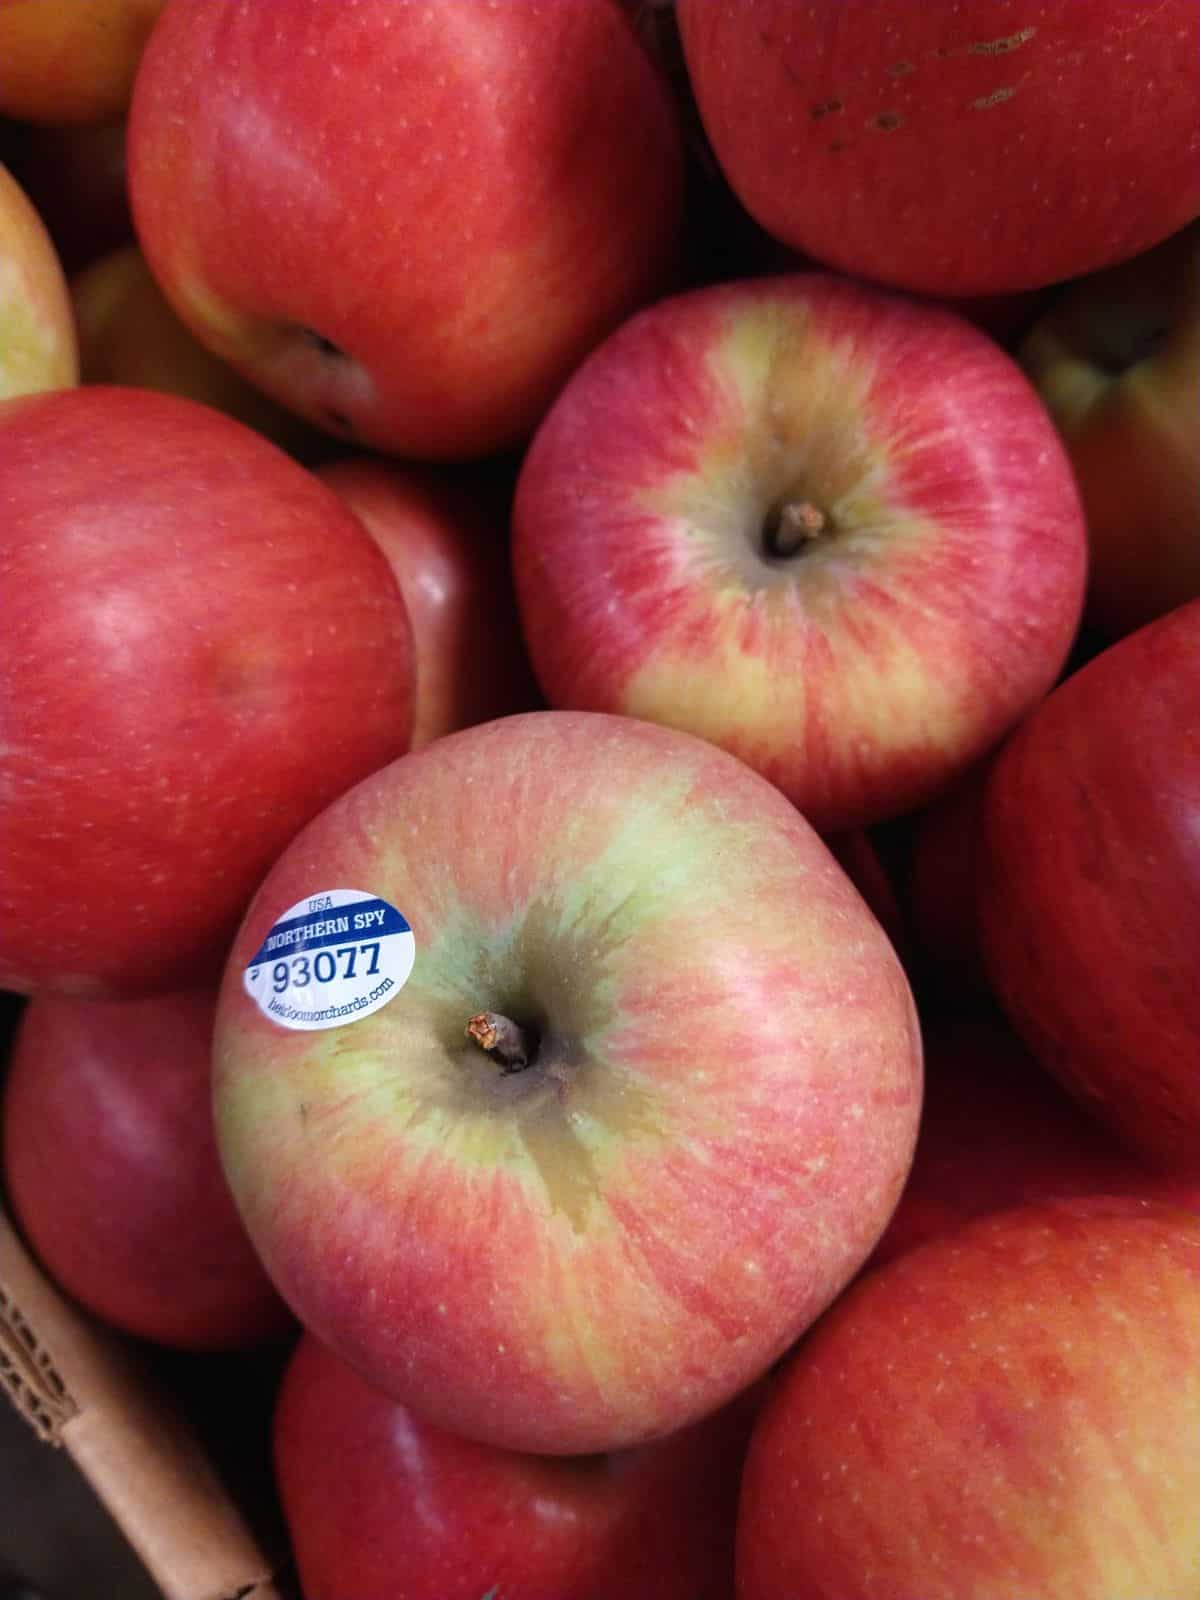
pixel 640 1109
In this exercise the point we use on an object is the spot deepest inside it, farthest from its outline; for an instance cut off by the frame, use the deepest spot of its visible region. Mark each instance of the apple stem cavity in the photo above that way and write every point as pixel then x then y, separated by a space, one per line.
pixel 503 1039
pixel 791 527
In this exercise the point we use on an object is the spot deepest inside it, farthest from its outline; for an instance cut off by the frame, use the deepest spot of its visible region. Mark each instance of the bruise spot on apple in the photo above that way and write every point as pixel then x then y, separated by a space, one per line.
pixel 997 97
pixel 986 47
pixel 902 69
pixel 1001 47
pixel 825 108
pixel 886 121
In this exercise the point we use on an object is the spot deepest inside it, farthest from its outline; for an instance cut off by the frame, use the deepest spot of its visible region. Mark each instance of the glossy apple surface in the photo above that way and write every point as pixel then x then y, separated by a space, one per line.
pixel 379 1501
pixel 997 1130
pixel 202 648
pixel 1117 361
pixel 111 1170
pixel 1089 885
pixel 38 348
pixel 406 222
pixel 129 335
pixel 445 535
pixel 826 527
pixel 972 149
pixel 71 61
pixel 1010 1410
pixel 716 1112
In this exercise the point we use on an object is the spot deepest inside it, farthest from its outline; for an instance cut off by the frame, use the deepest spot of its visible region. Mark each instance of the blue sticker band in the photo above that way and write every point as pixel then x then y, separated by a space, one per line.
pixel 364 919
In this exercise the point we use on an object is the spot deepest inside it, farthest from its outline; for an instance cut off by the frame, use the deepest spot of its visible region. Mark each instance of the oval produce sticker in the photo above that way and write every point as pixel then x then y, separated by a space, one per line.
pixel 330 959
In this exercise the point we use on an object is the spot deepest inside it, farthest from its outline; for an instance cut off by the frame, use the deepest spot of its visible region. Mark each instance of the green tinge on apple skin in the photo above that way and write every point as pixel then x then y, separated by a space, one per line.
pixel 37 355
pixel 555 965
pixel 931 575
pixel 713 1132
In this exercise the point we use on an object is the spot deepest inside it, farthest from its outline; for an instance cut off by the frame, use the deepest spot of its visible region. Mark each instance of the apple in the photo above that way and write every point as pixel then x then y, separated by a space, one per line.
pixel 37 331
pixel 129 335
pixel 829 528
pixel 1089 885
pixel 379 1501
pixel 445 534
pixel 974 149
pixel 202 647
pixel 1116 359
pixel 998 1131
pixel 627 1091
pixel 111 1170
pixel 1012 1409
pixel 406 222
pixel 71 61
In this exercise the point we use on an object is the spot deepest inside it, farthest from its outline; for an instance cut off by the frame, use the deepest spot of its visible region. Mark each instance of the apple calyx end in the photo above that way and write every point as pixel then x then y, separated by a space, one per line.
pixel 504 1040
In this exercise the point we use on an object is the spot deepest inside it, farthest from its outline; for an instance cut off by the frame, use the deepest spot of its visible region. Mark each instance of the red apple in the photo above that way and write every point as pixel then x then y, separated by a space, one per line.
pixel 129 335
pixel 111 1170
pixel 69 61
pixel 445 536
pixel 1089 885
pixel 1011 1410
pixel 38 348
pixel 826 527
pixel 638 1101
pixel 981 148
pixel 998 1131
pixel 406 222
pixel 1117 361
pixel 380 1502
pixel 202 647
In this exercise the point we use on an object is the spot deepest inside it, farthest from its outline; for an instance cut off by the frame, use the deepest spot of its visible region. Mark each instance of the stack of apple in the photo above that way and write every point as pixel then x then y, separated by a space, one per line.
pixel 600 771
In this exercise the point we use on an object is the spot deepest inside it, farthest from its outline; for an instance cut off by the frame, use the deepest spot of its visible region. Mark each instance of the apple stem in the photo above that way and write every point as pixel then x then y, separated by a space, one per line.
pixel 502 1039
pixel 793 525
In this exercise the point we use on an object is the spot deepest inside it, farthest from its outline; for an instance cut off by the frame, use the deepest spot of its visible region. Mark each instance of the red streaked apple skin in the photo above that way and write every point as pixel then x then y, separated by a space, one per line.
pixel 445 535
pixel 1010 1410
pixel 605 1246
pixel 370 1491
pixel 1089 885
pixel 865 672
pixel 461 197
pixel 111 1169
pixel 984 147
pixel 202 647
